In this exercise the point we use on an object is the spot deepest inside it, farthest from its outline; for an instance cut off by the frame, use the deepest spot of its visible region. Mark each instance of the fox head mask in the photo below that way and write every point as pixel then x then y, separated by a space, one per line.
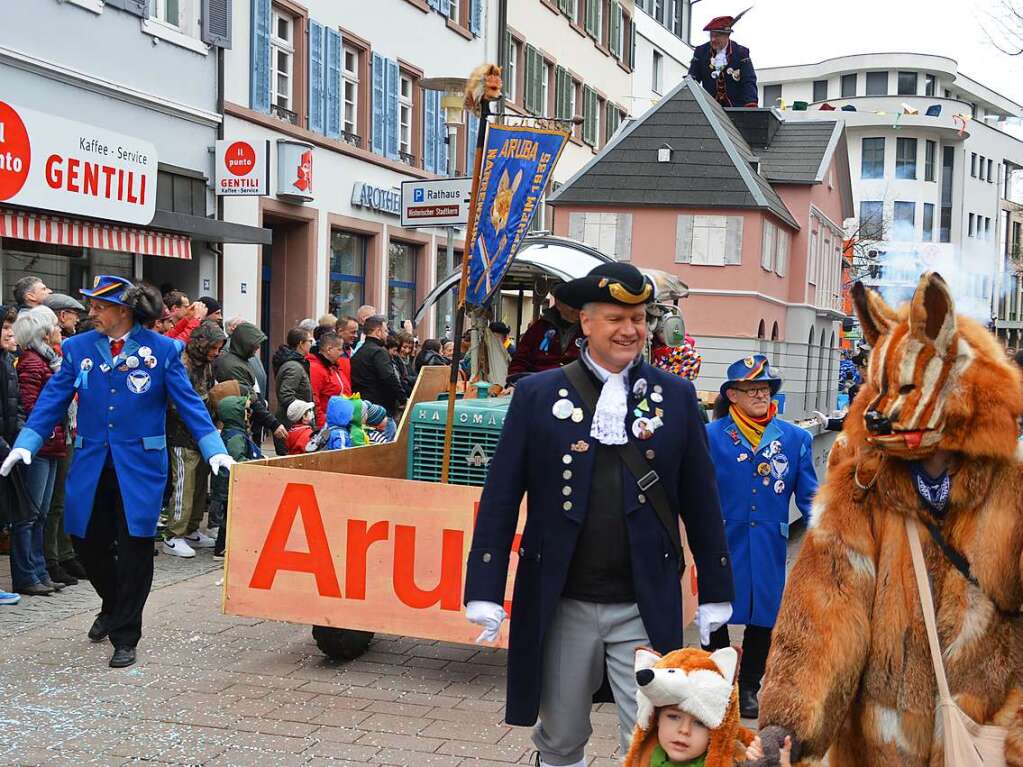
pixel 935 380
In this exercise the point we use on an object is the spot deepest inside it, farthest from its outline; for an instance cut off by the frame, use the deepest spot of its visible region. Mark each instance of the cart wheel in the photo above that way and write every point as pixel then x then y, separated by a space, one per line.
pixel 341 644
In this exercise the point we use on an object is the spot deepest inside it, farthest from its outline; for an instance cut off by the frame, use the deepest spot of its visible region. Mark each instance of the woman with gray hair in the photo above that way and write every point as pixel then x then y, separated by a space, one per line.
pixel 37 333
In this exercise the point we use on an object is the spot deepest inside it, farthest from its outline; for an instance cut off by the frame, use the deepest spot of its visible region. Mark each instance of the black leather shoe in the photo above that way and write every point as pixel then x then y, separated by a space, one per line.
pixel 74 567
pixel 59 575
pixel 122 657
pixel 35 590
pixel 749 706
pixel 98 632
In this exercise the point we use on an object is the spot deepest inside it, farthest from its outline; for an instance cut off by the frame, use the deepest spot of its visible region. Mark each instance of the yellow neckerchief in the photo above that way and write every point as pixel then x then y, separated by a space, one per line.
pixel 752 428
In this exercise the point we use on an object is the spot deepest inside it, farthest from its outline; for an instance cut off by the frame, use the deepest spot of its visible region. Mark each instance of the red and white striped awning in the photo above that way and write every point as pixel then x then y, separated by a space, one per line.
pixel 57 230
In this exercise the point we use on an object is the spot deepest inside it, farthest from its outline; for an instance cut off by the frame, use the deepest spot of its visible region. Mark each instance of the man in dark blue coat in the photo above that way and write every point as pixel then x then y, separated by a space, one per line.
pixel 723 67
pixel 608 479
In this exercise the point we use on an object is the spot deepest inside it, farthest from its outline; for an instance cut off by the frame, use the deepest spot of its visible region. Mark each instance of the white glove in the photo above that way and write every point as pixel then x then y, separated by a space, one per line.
pixel 489 615
pixel 820 418
pixel 710 617
pixel 221 461
pixel 17 455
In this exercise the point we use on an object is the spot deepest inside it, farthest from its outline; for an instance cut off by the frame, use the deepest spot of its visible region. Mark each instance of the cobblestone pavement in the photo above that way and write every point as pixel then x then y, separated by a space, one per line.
pixel 212 689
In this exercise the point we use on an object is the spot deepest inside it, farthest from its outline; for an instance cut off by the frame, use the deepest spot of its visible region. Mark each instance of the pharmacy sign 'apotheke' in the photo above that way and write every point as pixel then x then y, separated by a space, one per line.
pixel 61 165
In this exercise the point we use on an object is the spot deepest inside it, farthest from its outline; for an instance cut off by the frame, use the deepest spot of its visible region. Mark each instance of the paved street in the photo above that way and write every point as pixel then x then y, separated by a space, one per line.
pixel 212 689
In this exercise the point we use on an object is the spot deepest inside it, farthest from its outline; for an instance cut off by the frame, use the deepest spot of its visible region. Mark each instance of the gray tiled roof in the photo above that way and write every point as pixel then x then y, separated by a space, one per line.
pixel 797 152
pixel 709 168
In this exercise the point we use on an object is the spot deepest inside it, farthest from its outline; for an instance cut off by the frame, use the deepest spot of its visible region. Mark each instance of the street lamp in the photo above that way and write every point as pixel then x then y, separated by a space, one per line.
pixel 452 101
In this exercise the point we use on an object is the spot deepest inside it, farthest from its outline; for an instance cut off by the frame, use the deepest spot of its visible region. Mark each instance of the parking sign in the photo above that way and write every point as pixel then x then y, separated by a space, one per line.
pixel 438 202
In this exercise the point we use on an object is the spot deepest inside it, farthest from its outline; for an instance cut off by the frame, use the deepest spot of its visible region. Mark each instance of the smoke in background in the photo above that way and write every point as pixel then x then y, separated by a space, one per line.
pixel 900 266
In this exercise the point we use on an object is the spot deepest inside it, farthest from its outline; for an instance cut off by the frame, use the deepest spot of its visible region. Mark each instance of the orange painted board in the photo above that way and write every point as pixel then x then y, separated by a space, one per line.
pixel 369 553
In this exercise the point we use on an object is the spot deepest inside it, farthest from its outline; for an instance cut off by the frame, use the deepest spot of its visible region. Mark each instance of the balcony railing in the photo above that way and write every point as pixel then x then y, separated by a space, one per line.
pixel 351 138
pixel 408 159
pixel 284 114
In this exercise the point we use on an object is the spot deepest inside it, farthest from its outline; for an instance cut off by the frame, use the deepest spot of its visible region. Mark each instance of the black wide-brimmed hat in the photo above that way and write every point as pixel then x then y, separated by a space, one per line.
pixel 613 283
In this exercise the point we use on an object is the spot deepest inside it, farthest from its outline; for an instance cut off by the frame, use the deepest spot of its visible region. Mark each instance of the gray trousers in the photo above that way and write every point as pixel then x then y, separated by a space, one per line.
pixel 582 639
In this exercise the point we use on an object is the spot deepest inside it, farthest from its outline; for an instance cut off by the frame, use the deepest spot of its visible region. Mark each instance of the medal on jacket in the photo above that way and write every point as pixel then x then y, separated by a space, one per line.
pixel 82 381
pixel 563 409
pixel 763 469
pixel 639 388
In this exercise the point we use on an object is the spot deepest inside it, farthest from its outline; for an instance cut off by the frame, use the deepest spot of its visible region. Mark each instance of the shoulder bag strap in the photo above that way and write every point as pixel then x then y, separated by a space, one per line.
pixel 647 479
pixel 923 586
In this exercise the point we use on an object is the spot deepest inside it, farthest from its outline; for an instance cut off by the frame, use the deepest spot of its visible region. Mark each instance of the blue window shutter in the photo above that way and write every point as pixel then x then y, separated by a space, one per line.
pixel 472 125
pixel 315 77
pixel 435 4
pixel 391 102
pixel 442 144
pixel 259 81
pixel 332 86
pixel 378 104
pixel 444 6
pixel 430 110
pixel 476 17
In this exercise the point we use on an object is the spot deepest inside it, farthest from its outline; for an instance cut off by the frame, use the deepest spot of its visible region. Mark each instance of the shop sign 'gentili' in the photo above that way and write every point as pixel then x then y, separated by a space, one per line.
pixel 61 165
pixel 243 168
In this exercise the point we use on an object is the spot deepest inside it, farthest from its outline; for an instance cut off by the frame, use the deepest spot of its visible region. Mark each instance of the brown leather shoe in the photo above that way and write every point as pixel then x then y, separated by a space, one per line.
pixel 35 590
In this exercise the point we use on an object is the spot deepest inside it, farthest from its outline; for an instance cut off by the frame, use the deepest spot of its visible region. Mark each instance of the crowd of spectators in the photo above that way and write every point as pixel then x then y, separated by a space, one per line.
pixel 335 382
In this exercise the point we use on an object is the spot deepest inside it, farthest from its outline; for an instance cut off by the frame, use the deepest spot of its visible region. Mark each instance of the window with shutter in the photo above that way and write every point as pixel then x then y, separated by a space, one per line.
pixel 561 85
pixel 442 144
pixel 593 18
pixel 733 240
pixel 767 247
pixel 632 43
pixel 391 108
pixel 216 23
pixel 615 32
pixel 781 256
pixel 476 17
pixel 315 75
pixel 472 125
pixel 259 79
pixel 533 67
pixel 332 84
pixel 708 240
pixel 431 108
pixel 379 109
pixel 589 116
pixel 684 239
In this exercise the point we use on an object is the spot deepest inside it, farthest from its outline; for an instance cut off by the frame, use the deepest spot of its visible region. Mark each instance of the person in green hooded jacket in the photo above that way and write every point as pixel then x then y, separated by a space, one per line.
pixel 235 413
pixel 233 365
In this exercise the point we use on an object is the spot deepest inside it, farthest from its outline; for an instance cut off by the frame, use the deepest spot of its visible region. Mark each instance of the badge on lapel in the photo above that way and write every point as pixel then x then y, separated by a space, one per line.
pixel 138 382
pixel 580 447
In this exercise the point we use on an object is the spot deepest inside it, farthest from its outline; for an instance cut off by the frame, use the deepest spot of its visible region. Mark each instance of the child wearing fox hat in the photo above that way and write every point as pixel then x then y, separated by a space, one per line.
pixel 688 711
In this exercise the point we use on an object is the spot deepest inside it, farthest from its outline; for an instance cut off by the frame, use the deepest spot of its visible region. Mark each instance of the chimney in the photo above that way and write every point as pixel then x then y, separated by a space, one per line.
pixel 757 126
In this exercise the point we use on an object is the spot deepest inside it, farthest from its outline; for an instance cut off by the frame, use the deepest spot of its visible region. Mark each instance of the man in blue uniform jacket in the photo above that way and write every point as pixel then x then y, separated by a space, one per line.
pixel 123 375
pixel 760 461
pixel 608 479
pixel 723 67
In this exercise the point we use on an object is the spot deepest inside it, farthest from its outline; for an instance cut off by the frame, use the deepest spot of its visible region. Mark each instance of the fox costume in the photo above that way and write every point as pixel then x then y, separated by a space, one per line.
pixel 698 682
pixel 849 673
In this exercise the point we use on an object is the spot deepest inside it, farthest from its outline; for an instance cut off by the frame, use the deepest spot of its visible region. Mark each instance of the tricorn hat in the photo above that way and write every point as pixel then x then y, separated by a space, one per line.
pixel 613 283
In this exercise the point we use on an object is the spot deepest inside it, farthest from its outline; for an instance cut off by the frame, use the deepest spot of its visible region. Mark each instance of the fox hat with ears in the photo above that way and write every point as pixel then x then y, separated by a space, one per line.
pixel 698 682
pixel 849 674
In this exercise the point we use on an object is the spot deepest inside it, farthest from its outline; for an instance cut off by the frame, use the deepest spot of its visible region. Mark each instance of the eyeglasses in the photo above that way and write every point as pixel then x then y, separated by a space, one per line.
pixel 759 391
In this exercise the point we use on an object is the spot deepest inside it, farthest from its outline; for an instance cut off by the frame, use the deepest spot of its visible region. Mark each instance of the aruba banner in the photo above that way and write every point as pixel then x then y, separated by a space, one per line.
pixel 517 163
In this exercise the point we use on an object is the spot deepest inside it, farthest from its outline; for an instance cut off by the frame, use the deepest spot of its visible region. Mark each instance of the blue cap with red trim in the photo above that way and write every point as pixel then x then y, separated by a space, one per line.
pixel 754 368
pixel 110 288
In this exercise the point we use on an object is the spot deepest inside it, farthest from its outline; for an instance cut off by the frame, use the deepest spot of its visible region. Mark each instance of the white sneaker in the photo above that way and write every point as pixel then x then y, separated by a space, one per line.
pixel 199 540
pixel 178 547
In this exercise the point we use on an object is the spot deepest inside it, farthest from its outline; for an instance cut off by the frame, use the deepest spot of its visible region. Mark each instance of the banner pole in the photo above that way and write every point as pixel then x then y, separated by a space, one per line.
pixel 470 236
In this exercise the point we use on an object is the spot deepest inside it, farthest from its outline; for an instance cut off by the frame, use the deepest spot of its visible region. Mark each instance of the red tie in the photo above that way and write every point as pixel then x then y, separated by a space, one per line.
pixel 116 344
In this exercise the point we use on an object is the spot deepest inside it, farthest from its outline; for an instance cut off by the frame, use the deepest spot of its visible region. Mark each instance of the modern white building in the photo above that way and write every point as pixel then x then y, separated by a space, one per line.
pixel 335 89
pixel 662 50
pixel 931 164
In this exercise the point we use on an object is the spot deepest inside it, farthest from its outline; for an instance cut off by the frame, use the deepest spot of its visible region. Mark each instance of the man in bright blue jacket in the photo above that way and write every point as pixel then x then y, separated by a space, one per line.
pixel 760 461
pixel 123 375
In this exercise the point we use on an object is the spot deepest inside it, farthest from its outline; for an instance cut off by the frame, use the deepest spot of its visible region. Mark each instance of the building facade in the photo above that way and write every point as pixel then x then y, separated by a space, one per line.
pixel 338 89
pixel 932 166
pixel 663 52
pixel 117 159
pixel 747 210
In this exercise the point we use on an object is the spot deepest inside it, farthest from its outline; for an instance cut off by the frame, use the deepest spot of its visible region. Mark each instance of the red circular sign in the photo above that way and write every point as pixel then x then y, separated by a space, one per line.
pixel 240 158
pixel 15 152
